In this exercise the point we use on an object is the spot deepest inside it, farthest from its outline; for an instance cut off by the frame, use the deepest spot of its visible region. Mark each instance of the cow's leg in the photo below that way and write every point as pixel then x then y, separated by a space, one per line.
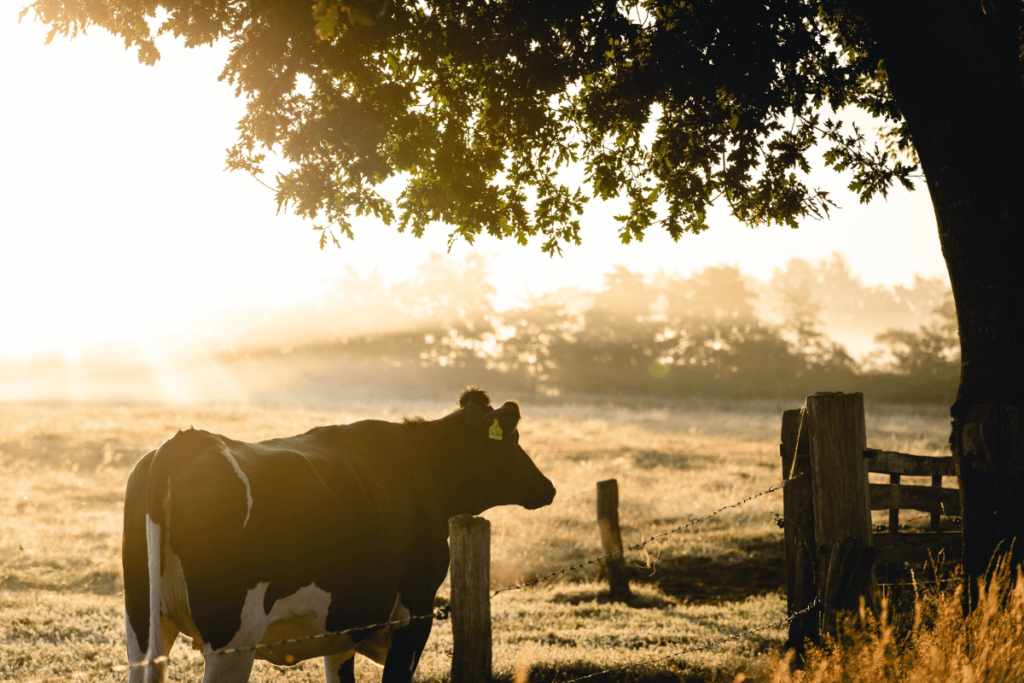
pixel 228 667
pixel 138 673
pixel 340 668
pixel 407 645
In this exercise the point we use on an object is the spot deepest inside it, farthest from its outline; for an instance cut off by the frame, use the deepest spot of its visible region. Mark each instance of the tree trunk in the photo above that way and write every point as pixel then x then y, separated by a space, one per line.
pixel 954 70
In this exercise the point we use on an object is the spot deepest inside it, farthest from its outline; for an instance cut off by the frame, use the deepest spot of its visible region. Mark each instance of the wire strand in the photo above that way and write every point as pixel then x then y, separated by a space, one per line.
pixel 644 542
pixel 287 641
pixel 161 659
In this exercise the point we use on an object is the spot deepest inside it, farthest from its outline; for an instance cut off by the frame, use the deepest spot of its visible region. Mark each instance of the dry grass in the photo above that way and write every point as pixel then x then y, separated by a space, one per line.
pixel 941 645
pixel 64 467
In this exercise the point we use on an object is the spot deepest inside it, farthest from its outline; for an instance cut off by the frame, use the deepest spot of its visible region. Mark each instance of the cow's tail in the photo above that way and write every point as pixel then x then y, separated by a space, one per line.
pixel 155 655
pixel 158 504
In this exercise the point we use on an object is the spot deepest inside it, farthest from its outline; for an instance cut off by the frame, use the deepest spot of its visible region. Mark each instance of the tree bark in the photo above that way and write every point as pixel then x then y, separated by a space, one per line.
pixel 954 70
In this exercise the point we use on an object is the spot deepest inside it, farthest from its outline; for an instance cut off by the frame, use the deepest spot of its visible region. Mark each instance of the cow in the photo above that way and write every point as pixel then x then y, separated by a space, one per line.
pixel 335 540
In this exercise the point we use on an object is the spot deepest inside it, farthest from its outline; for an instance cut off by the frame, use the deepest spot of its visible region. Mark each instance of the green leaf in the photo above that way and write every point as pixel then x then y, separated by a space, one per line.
pixel 326 13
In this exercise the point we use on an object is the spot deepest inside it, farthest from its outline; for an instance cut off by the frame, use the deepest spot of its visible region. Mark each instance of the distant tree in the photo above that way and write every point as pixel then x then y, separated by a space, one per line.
pixel 538 334
pixel 711 324
pixel 624 306
pixel 707 315
pixel 717 293
pixel 453 304
pixel 801 311
pixel 454 294
pixel 441 314
pixel 933 350
pixel 802 328
pixel 848 307
pixel 924 296
pixel 616 346
pixel 480 105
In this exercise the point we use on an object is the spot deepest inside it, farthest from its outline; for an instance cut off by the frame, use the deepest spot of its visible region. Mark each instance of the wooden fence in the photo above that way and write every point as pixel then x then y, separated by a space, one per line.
pixel 470 539
pixel 831 548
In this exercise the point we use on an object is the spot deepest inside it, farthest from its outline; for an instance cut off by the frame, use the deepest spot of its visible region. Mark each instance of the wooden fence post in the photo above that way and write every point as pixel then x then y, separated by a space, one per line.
pixel 842 509
pixel 798 524
pixel 850 571
pixel 471 600
pixel 611 539
pixel 936 519
pixel 892 568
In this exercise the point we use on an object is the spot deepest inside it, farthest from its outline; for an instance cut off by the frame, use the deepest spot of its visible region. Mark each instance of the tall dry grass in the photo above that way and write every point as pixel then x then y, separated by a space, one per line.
pixel 940 645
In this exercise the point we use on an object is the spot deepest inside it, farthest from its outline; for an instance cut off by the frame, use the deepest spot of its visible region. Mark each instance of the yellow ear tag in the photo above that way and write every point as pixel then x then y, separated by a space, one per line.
pixel 495 431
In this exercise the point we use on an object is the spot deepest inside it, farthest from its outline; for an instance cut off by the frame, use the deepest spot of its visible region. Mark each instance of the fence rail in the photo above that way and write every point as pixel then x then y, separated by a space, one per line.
pixel 891 462
pixel 829 535
pixel 924 498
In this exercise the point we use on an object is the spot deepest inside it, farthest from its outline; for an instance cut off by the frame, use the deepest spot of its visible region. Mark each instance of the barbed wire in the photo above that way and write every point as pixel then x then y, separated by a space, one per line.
pixel 706 646
pixel 644 542
pixel 440 614
pixel 916 582
pixel 444 613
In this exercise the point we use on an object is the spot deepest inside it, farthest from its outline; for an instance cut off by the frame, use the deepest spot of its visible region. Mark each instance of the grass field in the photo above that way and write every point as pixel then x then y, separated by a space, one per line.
pixel 64 467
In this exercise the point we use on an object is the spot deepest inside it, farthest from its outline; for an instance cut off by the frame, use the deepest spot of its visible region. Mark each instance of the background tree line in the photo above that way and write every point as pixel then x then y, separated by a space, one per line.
pixel 713 333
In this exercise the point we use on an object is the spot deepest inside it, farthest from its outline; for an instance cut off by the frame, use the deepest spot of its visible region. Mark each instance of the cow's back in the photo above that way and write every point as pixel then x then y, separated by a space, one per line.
pixel 335 507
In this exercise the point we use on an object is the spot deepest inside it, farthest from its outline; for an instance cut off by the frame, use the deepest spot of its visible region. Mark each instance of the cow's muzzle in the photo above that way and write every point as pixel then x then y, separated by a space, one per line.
pixel 545 495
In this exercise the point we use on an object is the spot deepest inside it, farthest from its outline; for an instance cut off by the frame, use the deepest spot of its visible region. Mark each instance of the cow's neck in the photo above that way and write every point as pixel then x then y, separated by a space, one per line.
pixel 453 496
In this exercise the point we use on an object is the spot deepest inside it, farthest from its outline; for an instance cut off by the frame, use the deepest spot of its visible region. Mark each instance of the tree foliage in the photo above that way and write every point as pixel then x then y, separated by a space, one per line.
pixel 490 110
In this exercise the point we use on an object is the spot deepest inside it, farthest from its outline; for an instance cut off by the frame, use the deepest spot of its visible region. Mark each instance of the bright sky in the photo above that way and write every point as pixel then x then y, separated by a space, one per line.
pixel 117 220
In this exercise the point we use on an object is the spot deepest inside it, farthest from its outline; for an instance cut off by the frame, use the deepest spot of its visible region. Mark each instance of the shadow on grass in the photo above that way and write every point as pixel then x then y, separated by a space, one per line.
pixel 657 673
pixel 757 568
pixel 602 597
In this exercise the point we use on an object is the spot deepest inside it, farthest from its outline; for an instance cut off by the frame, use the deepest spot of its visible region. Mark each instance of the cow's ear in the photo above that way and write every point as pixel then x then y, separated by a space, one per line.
pixel 501 423
pixel 474 396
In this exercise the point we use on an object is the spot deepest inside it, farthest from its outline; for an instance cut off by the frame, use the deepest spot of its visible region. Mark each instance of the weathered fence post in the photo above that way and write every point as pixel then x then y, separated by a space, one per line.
pixel 892 568
pixel 936 519
pixel 471 601
pixel 894 513
pixel 611 539
pixel 837 437
pixel 798 524
pixel 850 573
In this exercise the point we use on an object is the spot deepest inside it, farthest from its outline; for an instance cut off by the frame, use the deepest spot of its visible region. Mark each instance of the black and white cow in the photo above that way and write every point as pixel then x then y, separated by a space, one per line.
pixel 243 545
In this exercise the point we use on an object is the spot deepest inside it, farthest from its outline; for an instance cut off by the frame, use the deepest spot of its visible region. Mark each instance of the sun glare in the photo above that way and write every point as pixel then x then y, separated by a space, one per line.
pixel 120 225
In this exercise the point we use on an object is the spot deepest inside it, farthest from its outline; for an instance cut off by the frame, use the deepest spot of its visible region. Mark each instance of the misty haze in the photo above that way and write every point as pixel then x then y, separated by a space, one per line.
pixel 715 333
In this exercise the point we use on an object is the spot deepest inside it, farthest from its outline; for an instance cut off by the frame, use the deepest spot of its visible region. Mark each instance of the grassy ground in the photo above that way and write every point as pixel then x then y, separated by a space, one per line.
pixel 64 468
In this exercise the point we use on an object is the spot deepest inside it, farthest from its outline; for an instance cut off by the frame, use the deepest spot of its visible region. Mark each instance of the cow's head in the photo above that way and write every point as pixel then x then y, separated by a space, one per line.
pixel 490 468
